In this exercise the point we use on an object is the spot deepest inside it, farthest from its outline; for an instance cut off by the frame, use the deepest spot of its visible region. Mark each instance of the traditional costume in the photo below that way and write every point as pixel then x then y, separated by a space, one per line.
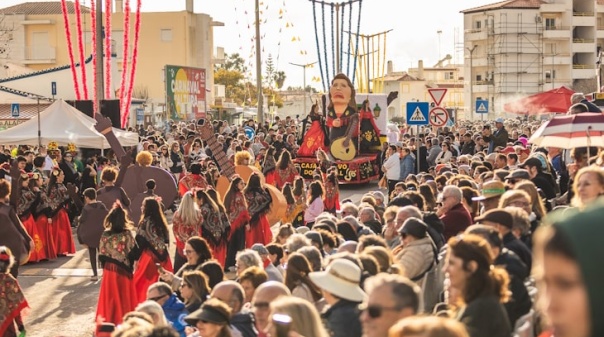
pixel 331 200
pixel 182 232
pixel 191 181
pixel 12 303
pixel 283 176
pixel 154 249
pixel 28 202
pixel 259 203
pixel 42 214
pixel 370 134
pixel 268 169
pixel 315 137
pixel 117 296
pixel 347 119
pixel 294 213
pixel 238 217
pixel 61 226
pixel 215 230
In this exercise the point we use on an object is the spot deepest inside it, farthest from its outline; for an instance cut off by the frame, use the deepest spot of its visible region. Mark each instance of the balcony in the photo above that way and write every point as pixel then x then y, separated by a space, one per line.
pixel 583 46
pixel 40 55
pixel 600 32
pixel 556 32
pixel 481 86
pixel 583 71
pixel 552 8
pixel 584 19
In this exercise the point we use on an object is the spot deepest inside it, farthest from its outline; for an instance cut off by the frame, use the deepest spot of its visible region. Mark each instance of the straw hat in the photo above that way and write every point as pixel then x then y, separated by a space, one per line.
pixel 341 278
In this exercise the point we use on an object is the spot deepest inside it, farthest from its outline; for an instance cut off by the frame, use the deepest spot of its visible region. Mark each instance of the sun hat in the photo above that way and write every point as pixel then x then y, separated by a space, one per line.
pixel 207 313
pixel 490 189
pixel 341 278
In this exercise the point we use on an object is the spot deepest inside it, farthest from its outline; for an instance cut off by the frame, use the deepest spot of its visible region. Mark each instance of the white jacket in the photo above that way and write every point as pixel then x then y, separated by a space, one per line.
pixel 393 167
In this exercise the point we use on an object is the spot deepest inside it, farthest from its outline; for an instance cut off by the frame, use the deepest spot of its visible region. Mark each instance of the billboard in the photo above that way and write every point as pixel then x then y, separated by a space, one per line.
pixel 185 92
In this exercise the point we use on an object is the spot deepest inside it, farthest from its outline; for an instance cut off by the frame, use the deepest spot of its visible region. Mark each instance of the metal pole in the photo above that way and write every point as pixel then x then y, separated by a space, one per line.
pixel 368 78
pixel 39 129
pixel 337 40
pixel 259 66
pixel 417 146
pixel 100 91
pixel 471 50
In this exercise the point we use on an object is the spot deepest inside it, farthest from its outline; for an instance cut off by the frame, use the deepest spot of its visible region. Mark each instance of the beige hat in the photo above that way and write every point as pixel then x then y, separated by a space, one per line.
pixel 341 278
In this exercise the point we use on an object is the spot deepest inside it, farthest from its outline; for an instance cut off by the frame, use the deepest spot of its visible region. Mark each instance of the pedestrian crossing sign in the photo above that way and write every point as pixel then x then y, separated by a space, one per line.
pixel 417 113
pixel 482 106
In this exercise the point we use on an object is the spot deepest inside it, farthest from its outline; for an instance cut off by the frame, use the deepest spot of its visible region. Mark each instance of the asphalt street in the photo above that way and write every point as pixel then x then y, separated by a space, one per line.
pixel 62 299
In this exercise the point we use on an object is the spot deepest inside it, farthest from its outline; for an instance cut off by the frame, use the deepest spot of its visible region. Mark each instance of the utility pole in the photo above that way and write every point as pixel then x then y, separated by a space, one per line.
pixel 259 67
pixel 471 50
pixel 100 91
pixel 338 68
pixel 439 32
pixel 304 66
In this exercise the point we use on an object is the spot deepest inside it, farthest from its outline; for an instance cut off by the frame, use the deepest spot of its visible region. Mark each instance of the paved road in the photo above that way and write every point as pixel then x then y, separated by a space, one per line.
pixel 62 298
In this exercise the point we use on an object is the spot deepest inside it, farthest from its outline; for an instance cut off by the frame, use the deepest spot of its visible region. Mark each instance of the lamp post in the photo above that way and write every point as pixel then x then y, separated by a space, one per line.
pixel 304 66
pixel 471 50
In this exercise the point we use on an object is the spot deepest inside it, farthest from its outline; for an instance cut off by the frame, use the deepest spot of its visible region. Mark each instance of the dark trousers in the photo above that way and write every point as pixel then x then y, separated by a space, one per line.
pixel 92 255
pixel 391 184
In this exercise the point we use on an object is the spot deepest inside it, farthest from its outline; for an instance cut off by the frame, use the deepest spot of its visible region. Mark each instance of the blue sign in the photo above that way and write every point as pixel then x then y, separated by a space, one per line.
pixel 417 113
pixel 482 106
pixel 140 116
pixel 53 88
pixel 14 110
pixel 249 132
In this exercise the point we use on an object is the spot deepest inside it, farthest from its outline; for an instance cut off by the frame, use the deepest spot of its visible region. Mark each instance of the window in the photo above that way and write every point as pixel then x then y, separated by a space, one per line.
pixel 166 35
pixel 550 75
pixel 477 25
pixel 478 78
pixel 406 88
pixel 449 75
pixel 550 24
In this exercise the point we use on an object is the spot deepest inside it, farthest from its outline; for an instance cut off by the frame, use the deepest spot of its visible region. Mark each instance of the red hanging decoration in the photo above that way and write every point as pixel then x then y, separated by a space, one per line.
pixel 93 49
pixel 123 83
pixel 81 47
pixel 108 49
pixel 74 75
pixel 137 30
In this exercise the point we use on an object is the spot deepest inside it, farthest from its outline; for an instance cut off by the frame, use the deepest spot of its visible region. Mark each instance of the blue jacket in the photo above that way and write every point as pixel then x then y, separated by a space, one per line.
pixel 175 313
pixel 407 167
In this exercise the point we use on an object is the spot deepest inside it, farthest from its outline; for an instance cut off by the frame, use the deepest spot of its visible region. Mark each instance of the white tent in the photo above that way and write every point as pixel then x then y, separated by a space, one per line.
pixel 64 124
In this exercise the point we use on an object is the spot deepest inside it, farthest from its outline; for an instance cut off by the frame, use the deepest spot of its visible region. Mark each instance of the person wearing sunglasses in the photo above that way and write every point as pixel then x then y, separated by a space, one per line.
pixel 174 308
pixel 390 298
pixel 211 320
pixel 264 295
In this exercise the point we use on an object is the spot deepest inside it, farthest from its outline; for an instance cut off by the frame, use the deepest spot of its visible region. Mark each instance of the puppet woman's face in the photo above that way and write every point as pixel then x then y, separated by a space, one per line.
pixel 340 92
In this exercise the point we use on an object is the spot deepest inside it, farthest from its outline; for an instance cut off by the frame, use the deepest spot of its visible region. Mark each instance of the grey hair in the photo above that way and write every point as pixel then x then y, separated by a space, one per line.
pixel 295 242
pixel 453 192
pixel 350 208
pixel 577 97
pixel 314 257
pixel 369 210
pixel 162 287
pixel 411 211
pixel 154 310
pixel 404 292
pixel 521 219
pixel 250 258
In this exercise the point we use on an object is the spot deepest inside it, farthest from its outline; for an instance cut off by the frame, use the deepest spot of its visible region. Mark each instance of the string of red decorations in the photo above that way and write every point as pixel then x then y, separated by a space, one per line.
pixel 74 75
pixel 137 29
pixel 80 37
pixel 123 82
pixel 107 50
pixel 94 63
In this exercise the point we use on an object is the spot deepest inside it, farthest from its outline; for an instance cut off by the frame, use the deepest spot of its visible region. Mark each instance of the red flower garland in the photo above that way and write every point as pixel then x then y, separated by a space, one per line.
pixel 74 75
pixel 137 29
pixel 81 47
pixel 123 84
pixel 107 50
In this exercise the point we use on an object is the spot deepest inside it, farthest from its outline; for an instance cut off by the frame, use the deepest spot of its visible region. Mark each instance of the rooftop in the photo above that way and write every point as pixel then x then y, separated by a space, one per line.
pixel 508 4
pixel 42 8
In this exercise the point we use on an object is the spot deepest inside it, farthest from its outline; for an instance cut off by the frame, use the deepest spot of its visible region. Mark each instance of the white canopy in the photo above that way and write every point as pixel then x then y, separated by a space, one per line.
pixel 64 124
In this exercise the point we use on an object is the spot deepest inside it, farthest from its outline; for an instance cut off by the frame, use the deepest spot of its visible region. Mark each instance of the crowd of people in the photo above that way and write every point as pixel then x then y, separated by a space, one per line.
pixel 457 241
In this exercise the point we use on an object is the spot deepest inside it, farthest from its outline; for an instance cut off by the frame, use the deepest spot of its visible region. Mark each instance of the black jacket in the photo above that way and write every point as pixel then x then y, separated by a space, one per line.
pixel 520 302
pixel 342 319
pixel 468 148
pixel 545 182
pixel 519 248
pixel 485 316
pixel 244 322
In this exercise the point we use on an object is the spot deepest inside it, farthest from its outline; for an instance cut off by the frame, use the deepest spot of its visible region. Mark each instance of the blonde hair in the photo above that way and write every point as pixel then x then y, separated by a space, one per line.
pixel 427 326
pixel 589 169
pixel 510 195
pixel 144 158
pixel 305 317
pixel 536 203
pixel 188 209
pixel 154 310
pixel 240 156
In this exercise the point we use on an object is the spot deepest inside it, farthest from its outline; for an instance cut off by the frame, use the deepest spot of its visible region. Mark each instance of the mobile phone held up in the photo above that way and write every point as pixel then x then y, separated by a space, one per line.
pixel 282 324
pixel 160 268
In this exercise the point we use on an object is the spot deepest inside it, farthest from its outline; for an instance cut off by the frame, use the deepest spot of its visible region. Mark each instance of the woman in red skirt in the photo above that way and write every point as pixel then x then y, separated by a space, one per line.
pixel 27 202
pixel 117 253
pixel 152 237
pixel 239 218
pixel 61 226
pixel 215 226
pixel 186 223
pixel 269 165
pixel 331 200
pixel 259 201
pixel 285 172
pixel 43 217
pixel 13 300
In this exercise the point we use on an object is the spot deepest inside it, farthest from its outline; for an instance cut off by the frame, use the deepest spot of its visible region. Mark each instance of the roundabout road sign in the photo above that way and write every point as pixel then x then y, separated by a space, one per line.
pixel 438 116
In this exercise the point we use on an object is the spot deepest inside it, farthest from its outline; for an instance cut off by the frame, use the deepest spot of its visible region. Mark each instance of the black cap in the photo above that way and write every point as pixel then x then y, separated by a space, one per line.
pixel 518 174
pixel 498 216
pixel 414 227
pixel 531 162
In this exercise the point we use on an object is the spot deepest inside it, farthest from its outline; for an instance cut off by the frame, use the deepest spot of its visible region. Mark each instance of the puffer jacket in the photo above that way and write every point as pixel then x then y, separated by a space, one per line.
pixel 416 257
pixel 175 313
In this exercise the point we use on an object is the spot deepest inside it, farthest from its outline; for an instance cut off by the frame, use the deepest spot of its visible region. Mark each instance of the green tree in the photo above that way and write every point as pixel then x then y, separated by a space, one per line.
pixel 233 62
pixel 270 71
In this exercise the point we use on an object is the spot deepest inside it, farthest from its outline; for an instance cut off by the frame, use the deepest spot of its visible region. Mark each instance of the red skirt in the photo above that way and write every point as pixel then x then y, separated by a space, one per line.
pixel 45 232
pixel 146 273
pixel 117 295
pixel 270 177
pixel 62 235
pixel 38 251
pixel 313 140
pixel 219 252
pixel 259 232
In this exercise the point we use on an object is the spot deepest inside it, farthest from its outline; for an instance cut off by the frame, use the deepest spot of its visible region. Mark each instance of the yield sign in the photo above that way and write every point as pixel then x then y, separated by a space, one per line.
pixel 438 116
pixel 437 94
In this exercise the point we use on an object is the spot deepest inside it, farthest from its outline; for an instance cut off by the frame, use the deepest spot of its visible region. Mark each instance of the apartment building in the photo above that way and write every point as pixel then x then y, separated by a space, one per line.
pixel 519 47
pixel 36 43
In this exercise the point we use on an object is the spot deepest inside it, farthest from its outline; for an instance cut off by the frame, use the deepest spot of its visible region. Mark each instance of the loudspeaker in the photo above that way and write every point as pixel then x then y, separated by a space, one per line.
pixel 111 108
pixel 84 106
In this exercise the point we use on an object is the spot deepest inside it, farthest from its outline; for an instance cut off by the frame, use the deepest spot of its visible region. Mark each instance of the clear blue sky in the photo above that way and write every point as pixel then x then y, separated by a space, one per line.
pixel 414 24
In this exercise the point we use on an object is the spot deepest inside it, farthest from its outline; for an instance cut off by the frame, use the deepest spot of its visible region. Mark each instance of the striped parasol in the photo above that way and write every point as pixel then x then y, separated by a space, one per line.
pixel 570 131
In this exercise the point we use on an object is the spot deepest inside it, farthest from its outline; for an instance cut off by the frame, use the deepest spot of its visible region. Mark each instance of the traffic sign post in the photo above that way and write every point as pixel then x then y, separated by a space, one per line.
pixel 15 110
pixel 417 113
pixel 482 107
pixel 438 117
pixel 437 94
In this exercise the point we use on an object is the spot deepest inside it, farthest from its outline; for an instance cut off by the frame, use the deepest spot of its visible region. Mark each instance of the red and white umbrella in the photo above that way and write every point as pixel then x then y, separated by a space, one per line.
pixel 567 132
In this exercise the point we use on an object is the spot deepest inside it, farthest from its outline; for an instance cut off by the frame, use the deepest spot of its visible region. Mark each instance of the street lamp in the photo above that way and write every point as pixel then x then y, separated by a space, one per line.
pixel 471 50
pixel 304 66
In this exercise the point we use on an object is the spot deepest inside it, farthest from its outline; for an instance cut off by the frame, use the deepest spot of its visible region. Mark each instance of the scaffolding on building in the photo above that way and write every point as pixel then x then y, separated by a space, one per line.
pixel 514 57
